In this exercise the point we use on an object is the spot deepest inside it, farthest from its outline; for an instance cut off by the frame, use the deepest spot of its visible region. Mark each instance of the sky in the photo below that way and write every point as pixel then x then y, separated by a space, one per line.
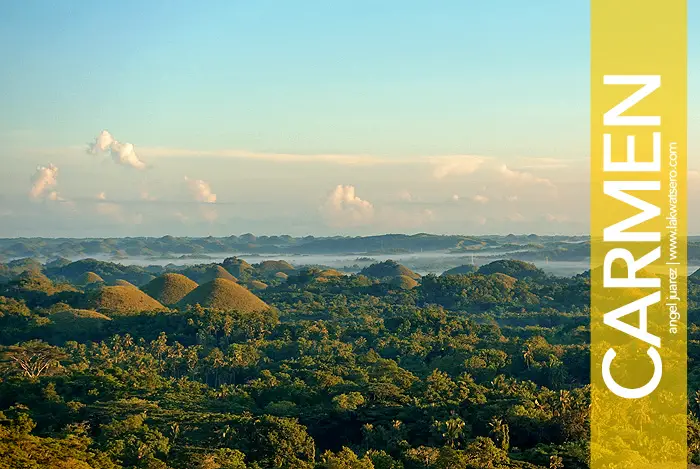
pixel 354 117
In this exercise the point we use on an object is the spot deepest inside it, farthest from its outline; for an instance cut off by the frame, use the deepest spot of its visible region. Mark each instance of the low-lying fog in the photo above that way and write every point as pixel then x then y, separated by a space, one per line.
pixel 422 263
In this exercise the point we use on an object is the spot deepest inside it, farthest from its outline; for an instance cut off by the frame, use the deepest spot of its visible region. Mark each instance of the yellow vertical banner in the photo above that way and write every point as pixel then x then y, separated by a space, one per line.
pixel 638 234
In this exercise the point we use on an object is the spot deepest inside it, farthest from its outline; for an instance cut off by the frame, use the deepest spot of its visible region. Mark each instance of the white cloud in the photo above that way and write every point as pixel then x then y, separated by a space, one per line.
pixel 343 208
pixel 455 197
pixel 457 165
pixel 482 199
pixel 349 160
pixel 55 196
pixel 200 190
pixel 44 178
pixel 523 177
pixel 102 196
pixel 512 198
pixel 542 163
pixel 122 153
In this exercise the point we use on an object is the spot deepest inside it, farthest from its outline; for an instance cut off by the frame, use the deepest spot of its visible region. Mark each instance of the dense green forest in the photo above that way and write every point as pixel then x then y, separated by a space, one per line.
pixel 238 365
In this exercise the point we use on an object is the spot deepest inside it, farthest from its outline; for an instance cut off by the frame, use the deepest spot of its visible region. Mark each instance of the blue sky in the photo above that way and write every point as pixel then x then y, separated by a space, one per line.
pixel 468 116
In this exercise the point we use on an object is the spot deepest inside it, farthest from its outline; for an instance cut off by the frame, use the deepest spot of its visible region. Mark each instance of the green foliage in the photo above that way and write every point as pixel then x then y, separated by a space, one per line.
pixel 20 449
pixel 344 459
pixel 474 370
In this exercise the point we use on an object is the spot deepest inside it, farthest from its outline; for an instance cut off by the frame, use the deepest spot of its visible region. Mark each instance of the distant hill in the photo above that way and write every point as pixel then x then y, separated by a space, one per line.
pixel 57 263
pixel 272 267
pixel 12 269
pixel 314 274
pixel 513 268
pixel 75 272
pixel 88 278
pixel 69 316
pixel 24 265
pixel 33 282
pixel 223 294
pixel 695 276
pixel 237 267
pixel 72 324
pixel 327 274
pixel 506 280
pixel 530 247
pixel 387 243
pixel 120 299
pixel 256 285
pixel 388 269
pixel 169 288
pixel 123 283
pixel 331 273
pixel 461 270
pixel 204 273
pixel 404 282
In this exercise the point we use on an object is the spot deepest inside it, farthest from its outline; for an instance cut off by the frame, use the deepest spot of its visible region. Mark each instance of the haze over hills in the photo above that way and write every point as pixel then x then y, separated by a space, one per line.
pixel 172 248
pixel 202 259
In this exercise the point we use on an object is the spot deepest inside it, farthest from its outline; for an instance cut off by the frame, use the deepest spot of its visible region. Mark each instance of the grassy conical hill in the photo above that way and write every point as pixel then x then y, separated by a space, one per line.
pixel 123 283
pixel 77 324
pixel 169 288
pixel 404 282
pixel 69 316
pixel 89 277
pixel 513 268
pixel 507 280
pixel 461 270
pixel 122 300
pixel 34 281
pixel 206 273
pixel 223 294
pixel 272 267
pixel 237 267
pixel 388 269
pixel 257 285
pixel 331 273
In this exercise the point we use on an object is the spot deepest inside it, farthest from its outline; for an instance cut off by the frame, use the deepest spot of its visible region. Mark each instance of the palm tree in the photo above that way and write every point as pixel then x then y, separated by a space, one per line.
pixel 500 433
pixel 528 356
pixel 556 462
